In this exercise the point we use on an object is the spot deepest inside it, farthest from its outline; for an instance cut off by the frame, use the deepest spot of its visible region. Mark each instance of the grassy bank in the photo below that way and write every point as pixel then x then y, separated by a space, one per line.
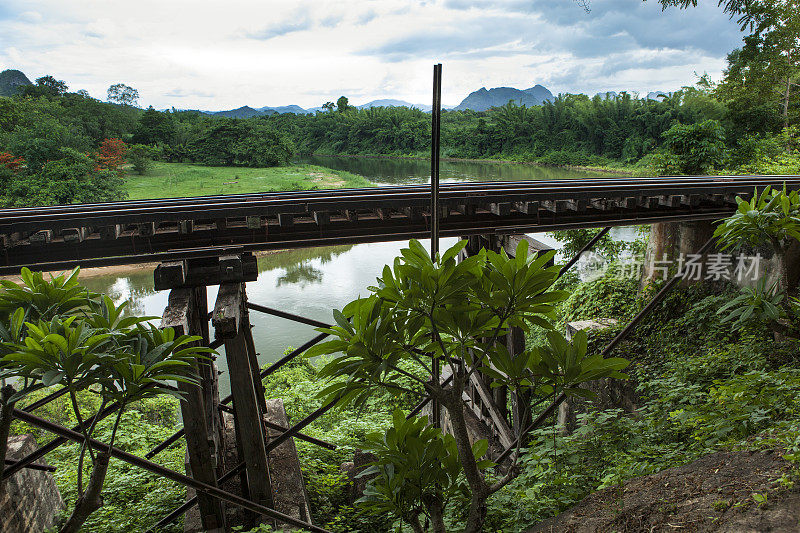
pixel 165 180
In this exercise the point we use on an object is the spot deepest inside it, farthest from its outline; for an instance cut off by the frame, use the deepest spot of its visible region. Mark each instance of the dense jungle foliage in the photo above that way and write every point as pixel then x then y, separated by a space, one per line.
pixel 746 123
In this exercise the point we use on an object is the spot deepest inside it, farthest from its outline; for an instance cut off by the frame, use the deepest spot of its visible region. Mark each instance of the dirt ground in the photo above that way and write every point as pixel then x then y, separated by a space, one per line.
pixel 714 493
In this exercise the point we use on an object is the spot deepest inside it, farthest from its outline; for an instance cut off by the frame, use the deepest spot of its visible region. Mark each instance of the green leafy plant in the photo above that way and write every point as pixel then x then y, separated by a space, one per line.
pixel 418 471
pixel 758 303
pixel 772 217
pixel 121 359
pixel 454 312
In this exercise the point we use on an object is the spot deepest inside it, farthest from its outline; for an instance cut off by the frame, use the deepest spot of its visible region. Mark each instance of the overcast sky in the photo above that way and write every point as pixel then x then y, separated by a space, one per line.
pixel 223 54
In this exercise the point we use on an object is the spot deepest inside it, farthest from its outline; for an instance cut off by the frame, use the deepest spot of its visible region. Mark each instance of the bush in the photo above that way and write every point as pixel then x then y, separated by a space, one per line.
pixel 141 157
pixel 693 149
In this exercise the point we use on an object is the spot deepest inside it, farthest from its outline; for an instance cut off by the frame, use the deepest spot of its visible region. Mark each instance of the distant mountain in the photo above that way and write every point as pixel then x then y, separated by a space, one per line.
pixel 658 95
pixel 483 99
pixel 391 102
pixel 241 112
pixel 11 81
pixel 608 95
pixel 285 109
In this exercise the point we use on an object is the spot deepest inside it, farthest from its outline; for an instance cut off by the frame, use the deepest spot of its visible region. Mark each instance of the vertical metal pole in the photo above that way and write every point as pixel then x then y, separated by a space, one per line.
pixel 436 119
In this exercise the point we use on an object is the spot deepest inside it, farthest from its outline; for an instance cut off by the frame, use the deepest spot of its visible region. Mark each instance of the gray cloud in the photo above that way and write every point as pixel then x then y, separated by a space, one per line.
pixel 331 21
pixel 367 17
pixel 282 28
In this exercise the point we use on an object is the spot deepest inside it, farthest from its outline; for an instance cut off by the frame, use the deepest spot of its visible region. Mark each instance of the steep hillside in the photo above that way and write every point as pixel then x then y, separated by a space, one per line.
pixel 11 81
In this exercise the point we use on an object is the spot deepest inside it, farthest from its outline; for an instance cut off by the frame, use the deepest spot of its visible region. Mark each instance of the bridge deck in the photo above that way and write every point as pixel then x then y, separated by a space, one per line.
pixel 177 228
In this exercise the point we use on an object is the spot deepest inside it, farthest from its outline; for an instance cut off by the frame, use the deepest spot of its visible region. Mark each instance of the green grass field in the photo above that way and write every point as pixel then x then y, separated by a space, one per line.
pixel 165 180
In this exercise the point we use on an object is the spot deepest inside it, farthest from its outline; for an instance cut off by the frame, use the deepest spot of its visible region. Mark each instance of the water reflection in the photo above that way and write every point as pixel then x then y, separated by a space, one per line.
pixel 406 171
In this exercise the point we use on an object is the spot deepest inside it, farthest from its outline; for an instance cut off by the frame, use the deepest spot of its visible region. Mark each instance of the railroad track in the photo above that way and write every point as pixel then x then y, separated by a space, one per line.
pixel 177 228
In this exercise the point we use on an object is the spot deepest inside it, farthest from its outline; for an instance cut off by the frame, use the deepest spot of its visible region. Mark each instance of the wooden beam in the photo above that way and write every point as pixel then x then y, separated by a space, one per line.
pixel 648 202
pixel 626 203
pixel 169 275
pixel 510 243
pixel 41 237
pixel 501 209
pixel 529 208
pixel 179 315
pixel 575 205
pixel 227 311
pixel 467 209
pixel 227 319
pixel 414 213
pixel 602 204
pixel 147 229
pixel 206 271
pixel 692 200
pixel 669 200
pixel 504 432
pixel 73 234
pixel 322 218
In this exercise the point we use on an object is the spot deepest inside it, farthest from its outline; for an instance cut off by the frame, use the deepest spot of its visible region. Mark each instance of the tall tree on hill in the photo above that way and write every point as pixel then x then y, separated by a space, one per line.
pixel 119 93
pixel 46 86
pixel 342 104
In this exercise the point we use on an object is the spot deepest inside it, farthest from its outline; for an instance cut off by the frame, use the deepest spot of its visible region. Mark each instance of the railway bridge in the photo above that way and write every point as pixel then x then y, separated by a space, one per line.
pixel 210 240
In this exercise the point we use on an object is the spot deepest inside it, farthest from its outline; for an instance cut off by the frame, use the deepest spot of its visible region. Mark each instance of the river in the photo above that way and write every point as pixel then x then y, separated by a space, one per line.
pixel 312 282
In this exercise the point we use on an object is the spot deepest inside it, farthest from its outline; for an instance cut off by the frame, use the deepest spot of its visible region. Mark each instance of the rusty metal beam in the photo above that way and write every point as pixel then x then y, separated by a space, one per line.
pixel 165 472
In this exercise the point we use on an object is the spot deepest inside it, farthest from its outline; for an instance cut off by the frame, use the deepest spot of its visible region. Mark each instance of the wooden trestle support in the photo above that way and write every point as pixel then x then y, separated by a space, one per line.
pixel 258 439
pixel 267 495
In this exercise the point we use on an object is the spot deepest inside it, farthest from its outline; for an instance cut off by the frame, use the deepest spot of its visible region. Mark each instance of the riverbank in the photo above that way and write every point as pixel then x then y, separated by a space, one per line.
pixel 118 270
pixel 627 170
pixel 166 180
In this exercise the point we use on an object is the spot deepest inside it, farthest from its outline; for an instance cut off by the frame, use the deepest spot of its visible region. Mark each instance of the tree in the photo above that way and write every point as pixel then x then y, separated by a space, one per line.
pixel 121 358
pixel 263 146
pixel 111 154
pixel 46 86
pixel 72 178
pixel 692 149
pixel 155 127
pixel 342 104
pixel 122 94
pixel 765 72
pixel 328 106
pixel 141 157
pixel 456 312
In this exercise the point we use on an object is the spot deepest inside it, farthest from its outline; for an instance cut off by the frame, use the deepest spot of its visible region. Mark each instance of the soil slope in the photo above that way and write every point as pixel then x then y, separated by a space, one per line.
pixel 714 493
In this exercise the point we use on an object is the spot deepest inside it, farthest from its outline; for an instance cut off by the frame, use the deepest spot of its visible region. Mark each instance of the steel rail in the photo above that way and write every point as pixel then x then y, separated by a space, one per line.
pixel 33 466
pixel 289 316
pixel 104 254
pixel 379 191
pixel 363 198
pixel 53 444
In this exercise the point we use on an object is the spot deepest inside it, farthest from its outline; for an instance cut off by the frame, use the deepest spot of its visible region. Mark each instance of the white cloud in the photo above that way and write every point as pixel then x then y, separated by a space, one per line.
pixel 214 55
